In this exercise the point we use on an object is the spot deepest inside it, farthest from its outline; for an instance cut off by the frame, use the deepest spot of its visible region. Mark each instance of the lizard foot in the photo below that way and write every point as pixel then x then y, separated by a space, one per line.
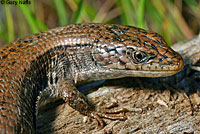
pixel 108 114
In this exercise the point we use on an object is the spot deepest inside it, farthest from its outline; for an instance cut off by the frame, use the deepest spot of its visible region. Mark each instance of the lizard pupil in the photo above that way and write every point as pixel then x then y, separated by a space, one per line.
pixel 140 57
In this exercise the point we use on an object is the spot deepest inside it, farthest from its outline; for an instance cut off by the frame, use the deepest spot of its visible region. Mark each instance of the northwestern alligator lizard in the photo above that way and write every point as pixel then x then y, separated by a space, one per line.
pixel 57 60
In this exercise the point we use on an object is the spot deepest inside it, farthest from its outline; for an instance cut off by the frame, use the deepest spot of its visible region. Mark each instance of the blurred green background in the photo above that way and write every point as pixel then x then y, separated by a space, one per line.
pixel 175 20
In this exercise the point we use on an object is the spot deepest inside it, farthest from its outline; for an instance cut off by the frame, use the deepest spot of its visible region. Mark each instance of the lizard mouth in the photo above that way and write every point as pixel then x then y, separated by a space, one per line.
pixel 163 72
pixel 155 71
pixel 150 73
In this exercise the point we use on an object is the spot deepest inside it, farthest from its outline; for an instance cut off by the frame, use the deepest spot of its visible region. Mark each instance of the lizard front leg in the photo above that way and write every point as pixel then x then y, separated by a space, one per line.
pixel 78 101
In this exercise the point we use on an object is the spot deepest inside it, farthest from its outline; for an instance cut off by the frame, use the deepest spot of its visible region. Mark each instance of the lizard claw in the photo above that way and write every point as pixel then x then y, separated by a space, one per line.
pixel 98 118
pixel 107 114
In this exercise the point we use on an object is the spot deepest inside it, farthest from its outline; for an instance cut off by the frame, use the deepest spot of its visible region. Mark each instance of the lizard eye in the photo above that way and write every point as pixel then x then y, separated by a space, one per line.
pixel 140 56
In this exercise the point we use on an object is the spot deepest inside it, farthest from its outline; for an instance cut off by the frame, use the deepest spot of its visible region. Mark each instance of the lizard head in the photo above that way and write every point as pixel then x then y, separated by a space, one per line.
pixel 136 52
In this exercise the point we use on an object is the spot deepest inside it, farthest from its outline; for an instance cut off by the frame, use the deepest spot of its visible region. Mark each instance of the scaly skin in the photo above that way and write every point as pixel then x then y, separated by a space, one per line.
pixel 55 61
